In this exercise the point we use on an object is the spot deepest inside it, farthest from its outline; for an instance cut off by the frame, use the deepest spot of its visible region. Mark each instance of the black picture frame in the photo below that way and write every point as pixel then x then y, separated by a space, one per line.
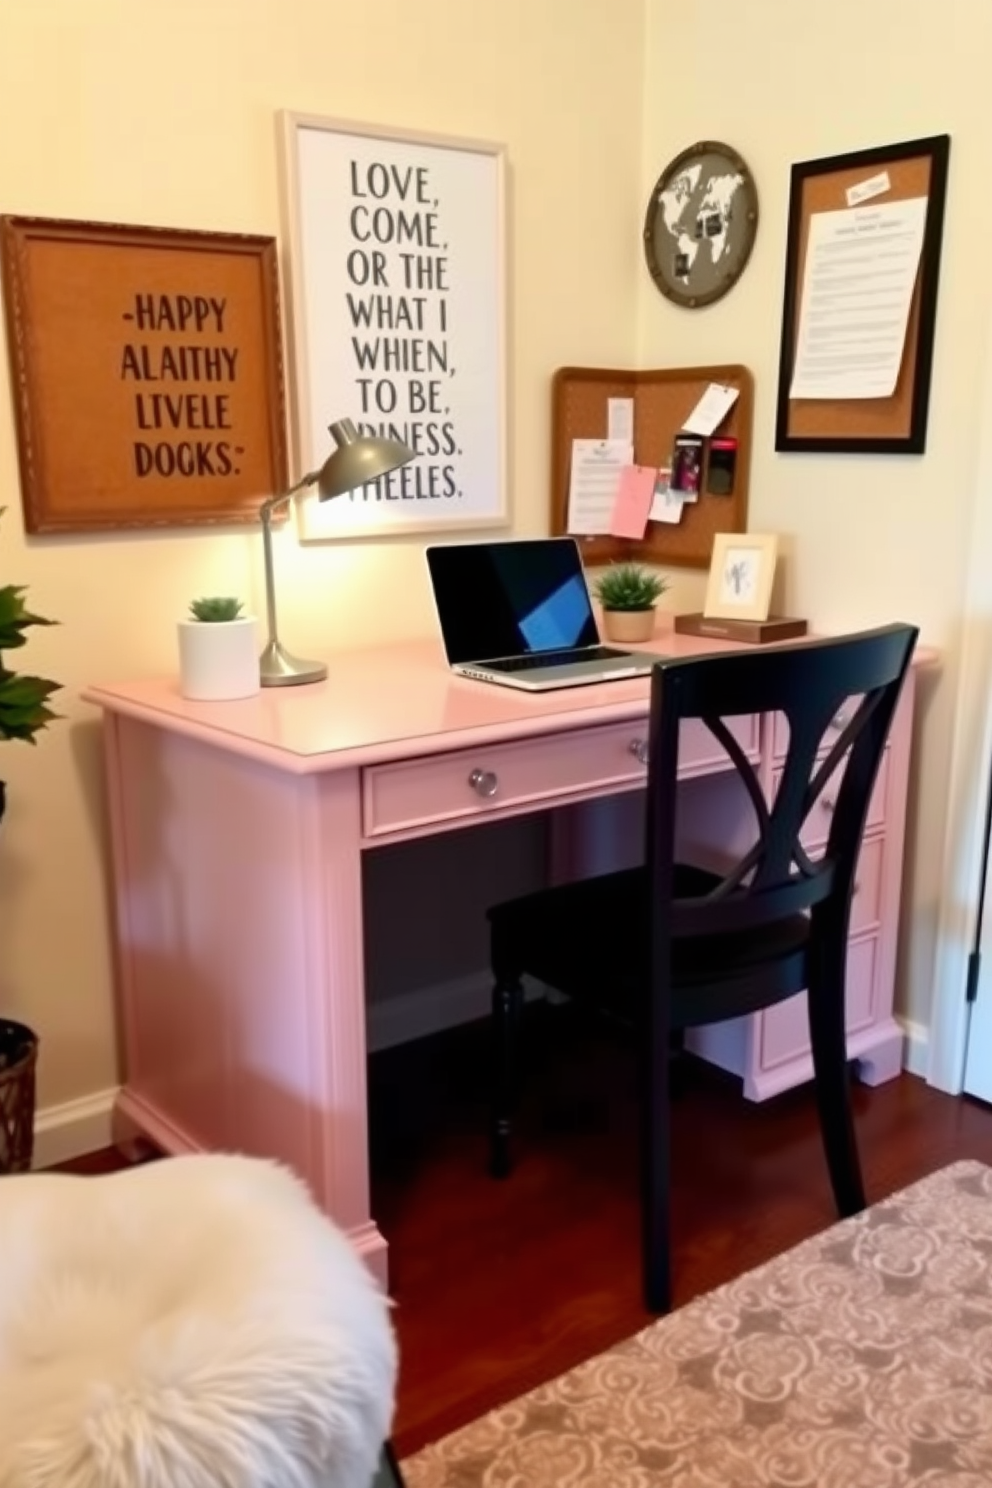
pixel 896 425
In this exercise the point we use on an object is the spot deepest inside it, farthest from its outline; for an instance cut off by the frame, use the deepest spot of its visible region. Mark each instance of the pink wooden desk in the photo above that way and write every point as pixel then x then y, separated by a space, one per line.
pixel 237 835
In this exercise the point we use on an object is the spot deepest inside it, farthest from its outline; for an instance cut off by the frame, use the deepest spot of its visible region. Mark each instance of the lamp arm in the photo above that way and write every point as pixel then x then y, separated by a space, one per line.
pixel 266 512
pixel 274 503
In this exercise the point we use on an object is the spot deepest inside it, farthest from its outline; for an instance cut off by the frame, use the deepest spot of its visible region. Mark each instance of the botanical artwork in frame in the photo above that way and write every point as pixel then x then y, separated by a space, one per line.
pixel 742 571
pixel 147 374
pixel 397 294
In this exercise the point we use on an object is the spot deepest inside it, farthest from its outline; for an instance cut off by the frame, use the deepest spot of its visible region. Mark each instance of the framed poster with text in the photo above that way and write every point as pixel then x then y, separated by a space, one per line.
pixel 147 373
pixel 396 283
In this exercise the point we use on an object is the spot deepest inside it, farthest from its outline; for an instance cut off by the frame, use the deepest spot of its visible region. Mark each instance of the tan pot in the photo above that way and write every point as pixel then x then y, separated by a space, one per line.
pixel 629 626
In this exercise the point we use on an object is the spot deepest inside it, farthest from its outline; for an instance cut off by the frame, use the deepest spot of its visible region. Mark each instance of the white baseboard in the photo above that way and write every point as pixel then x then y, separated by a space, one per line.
pixel 413 1015
pixel 73 1129
pixel 916 1053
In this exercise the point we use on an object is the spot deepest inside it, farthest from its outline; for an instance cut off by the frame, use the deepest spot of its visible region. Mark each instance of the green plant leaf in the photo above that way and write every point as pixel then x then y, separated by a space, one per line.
pixel 628 586
pixel 16 618
pixel 23 707
pixel 216 609
pixel 24 710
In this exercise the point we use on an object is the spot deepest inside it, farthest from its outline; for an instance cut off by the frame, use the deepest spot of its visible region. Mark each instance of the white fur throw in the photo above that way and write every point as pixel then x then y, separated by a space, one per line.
pixel 192 1323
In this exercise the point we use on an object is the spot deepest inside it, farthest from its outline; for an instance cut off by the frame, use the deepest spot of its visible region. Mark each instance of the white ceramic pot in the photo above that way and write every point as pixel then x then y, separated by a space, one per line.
pixel 218 660
pixel 628 626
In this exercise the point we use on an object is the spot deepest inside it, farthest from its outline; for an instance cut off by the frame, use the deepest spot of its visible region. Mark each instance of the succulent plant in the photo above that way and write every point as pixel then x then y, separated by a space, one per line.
pixel 216 609
pixel 628 586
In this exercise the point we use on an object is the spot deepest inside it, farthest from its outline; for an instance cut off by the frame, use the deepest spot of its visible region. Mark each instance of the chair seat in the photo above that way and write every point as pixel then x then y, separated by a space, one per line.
pixel 194 1321
pixel 568 936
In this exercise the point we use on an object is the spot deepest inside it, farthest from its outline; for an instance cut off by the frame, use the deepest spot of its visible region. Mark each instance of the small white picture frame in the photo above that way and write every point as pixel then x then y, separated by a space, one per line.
pixel 742 570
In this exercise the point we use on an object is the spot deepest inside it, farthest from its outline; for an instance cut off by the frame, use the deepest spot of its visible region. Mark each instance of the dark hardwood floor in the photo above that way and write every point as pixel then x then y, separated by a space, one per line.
pixel 499 1286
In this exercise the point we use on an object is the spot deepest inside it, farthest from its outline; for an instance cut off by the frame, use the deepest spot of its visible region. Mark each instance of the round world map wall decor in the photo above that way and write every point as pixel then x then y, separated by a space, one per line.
pixel 700 224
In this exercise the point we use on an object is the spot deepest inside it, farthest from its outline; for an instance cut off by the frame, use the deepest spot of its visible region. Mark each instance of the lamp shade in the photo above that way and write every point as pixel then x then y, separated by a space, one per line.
pixel 358 459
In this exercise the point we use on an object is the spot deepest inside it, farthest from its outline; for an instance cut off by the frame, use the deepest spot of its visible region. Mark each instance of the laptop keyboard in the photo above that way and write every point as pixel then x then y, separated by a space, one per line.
pixel 542 659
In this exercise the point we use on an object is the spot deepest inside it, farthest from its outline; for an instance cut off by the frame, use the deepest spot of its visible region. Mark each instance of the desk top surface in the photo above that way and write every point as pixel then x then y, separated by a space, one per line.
pixel 387 702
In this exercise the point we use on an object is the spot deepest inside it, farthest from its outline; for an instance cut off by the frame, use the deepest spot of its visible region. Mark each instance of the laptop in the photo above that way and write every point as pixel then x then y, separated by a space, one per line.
pixel 518 614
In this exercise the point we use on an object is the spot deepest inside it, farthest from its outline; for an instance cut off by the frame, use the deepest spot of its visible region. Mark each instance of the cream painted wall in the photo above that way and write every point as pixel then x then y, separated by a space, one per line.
pixel 868 539
pixel 164 113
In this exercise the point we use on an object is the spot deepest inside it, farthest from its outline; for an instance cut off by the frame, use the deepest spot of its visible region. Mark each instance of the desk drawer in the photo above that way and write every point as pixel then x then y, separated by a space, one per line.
pixel 470 783
pixel 785 1027
pixel 816 828
pixel 487 780
pixel 700 753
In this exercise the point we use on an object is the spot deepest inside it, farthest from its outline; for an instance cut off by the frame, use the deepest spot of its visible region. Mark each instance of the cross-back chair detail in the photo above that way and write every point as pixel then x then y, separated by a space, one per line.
pixel 675 944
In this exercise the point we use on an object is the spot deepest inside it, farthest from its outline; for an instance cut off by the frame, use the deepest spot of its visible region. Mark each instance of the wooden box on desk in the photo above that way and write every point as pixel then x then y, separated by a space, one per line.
pixel 754 632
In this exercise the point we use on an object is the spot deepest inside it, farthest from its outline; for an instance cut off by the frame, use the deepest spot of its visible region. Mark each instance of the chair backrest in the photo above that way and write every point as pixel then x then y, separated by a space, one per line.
pixel 838 698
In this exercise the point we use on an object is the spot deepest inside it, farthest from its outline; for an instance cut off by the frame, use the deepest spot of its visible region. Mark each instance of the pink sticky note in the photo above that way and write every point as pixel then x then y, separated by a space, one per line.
pixel 634 496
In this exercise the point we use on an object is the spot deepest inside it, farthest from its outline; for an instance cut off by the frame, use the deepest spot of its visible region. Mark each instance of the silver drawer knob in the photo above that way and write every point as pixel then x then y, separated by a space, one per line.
pixel 639 749
pixel 484 782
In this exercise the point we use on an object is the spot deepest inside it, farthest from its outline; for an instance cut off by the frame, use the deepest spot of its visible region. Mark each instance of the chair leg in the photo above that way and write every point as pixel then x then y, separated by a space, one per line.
pixel 828 1038
pixel 388 1475
pixel 656 1244
pixel 508 996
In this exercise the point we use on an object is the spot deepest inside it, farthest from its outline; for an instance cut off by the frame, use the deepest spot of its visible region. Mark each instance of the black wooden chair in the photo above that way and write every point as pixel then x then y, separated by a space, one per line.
pixel 672 945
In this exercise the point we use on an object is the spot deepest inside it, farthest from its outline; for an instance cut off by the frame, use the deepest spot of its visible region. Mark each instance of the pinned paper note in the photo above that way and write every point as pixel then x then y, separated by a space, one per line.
pixel 865 190
pixel 634 495
pixel 666 504
pixel 711 410
pixel 620 419
pixel 594 483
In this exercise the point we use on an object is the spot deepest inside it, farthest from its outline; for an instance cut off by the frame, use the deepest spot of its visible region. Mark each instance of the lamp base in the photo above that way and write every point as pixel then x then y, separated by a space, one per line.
pixel 278 668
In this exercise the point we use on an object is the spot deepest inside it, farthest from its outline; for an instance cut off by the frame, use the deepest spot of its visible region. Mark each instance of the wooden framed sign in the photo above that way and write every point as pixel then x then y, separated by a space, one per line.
pixel 398 310
pixel 147 374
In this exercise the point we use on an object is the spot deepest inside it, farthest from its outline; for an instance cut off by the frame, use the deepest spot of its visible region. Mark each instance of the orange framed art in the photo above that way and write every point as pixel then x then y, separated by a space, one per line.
pixel 147 374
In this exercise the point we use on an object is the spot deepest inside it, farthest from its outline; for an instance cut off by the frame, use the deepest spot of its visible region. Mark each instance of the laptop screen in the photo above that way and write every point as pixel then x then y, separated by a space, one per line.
pixel 510 598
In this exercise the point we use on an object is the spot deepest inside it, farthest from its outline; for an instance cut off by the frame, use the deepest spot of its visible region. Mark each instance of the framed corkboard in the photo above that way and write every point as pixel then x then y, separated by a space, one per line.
pixel 662 401
pixel 147 374
pixel 850 380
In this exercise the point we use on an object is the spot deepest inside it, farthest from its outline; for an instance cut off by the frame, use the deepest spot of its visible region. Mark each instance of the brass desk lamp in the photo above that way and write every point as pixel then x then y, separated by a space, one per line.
pixel 356 460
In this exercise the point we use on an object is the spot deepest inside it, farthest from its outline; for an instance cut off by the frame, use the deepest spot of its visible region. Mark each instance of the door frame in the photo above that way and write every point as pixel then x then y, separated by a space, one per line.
pixel 971 758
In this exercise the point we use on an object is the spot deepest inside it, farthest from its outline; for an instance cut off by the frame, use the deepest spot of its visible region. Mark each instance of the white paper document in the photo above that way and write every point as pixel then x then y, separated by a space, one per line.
pixel 594 483
pixel 861 268
pixel 711 410
pixel 620 419
pixel 666 505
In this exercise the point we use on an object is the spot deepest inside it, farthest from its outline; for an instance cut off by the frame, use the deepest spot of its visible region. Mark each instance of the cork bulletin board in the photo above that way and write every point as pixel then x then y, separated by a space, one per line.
pixel 147 374
pixel 662 400
pixel 895 424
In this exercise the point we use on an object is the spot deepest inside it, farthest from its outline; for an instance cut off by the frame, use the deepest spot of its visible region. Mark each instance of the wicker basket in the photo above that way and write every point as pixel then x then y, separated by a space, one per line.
pixel 18 1058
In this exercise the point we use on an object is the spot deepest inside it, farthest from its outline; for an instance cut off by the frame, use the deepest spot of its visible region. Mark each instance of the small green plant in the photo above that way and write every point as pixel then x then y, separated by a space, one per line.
pixel 24 709
pixel 627 586
pixel 216 609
